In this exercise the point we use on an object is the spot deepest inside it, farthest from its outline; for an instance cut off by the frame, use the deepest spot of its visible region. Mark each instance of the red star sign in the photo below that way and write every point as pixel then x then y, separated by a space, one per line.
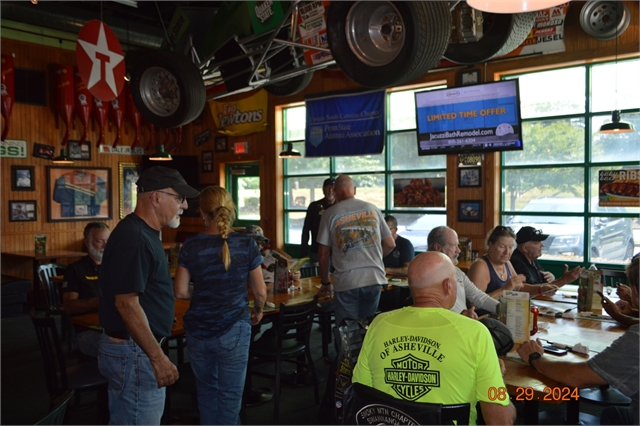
pixel 100 60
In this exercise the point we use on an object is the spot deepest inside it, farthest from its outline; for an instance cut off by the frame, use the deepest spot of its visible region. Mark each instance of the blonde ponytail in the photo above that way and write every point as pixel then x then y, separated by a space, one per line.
pixel 216 202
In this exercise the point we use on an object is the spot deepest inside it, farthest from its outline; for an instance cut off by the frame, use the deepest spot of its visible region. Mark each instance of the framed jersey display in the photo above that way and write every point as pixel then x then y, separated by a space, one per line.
pixel 78 193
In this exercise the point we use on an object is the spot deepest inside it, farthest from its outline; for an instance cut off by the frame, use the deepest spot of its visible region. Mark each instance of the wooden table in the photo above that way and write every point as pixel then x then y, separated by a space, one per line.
pixel 520 376
pixel 51 256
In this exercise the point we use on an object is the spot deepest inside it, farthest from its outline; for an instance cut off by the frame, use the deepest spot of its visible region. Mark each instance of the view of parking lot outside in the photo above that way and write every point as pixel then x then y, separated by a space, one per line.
pixel 561 148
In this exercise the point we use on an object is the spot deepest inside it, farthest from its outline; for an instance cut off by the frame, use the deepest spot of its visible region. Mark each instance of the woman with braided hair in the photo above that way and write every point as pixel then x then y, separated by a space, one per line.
pixel 219 263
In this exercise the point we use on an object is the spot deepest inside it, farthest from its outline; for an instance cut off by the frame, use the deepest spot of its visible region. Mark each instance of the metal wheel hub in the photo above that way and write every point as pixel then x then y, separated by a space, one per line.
pixel 160 91
pixel 604 19
pixel 375 32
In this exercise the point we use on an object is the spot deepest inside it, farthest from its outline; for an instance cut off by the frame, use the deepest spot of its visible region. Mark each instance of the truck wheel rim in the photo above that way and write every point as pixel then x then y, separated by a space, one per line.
pixel 160 91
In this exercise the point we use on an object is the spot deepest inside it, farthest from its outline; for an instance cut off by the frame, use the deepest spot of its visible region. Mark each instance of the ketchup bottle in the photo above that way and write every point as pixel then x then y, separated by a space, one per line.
pixel 533 320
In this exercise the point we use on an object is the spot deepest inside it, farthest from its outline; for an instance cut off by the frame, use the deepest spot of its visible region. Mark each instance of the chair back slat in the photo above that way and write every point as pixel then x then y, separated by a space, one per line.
pixel 52 292
pixel 295 322
pixel 52 356
pixel 613 277
pixel 310 270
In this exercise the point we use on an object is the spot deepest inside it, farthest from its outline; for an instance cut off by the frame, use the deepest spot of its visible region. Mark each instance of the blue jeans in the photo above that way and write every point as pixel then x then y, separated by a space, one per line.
pixel 220 366
pixel 357 303
pixel 134 397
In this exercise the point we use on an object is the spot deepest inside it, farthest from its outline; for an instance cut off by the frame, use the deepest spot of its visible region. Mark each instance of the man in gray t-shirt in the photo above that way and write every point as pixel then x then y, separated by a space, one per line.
pixel 618 365
pixel 356 236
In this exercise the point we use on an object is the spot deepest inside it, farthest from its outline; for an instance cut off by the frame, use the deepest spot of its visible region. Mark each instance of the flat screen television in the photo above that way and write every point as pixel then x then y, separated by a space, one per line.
pixel 479 118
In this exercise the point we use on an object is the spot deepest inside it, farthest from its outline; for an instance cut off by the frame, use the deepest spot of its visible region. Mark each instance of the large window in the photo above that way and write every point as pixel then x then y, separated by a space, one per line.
pixel 374 175
pixel 552 184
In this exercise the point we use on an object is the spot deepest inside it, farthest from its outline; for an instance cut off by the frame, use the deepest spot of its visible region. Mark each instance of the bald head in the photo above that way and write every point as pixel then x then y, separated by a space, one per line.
pixel 344 188
pixel 432 280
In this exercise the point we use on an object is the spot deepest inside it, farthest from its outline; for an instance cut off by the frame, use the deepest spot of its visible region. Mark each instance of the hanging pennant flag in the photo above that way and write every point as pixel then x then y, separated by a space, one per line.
pixel 242 117
pixel 341 125
pixel 100 60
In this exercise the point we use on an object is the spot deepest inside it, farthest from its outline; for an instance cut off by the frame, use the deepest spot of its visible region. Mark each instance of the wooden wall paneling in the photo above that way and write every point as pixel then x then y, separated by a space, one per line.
pixel 37 124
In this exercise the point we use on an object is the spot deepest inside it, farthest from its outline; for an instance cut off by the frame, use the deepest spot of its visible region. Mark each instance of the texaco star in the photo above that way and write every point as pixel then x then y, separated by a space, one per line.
pixel 104 61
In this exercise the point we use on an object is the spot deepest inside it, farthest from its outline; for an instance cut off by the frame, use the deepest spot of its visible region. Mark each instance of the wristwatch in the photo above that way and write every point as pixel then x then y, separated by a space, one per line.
pixel 533 357
pixel 326 284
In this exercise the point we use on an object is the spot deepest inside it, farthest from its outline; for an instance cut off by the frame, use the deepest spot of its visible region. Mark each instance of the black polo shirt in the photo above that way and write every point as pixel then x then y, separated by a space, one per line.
pixel 82 277
pixel 531 270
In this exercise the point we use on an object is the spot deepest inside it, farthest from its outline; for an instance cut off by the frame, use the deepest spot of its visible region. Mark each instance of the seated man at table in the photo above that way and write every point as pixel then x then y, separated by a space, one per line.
pixel 397 262
pixel 81 287
pixel 455 355
pixel 525 259
pixel 618 365
pixel 445 240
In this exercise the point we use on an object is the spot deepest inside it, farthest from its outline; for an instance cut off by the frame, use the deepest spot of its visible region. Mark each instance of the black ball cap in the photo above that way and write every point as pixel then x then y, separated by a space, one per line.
pixel 158 177
pixel 529 233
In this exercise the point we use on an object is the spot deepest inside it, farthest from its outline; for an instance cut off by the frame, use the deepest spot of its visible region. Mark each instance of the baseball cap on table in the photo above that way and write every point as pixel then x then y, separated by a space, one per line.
pixel 529 233
pixel 158 177
pixel 256 232
pixel 329 182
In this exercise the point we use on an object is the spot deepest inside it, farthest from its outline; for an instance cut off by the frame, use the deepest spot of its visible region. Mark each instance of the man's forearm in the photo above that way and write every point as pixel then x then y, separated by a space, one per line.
pixel 137 324
pixel 397 272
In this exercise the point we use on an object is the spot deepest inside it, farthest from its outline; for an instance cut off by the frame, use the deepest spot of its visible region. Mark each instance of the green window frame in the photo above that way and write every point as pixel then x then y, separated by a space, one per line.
pixel 555 178
pixel 373 174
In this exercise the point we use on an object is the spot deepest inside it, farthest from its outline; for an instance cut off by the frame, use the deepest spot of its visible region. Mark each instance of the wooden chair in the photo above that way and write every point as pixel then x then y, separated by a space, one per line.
pixel 56 416
pixel 82 378
pixel 613 277
pixel 364 405
pixel 311 269
pixel 293 331
pixel 53 299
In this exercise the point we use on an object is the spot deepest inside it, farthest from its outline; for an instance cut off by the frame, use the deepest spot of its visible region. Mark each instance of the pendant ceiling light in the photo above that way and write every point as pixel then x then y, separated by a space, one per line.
pixel 62 158
pixel 290 152
pixel 513 6
pixel 616 126
pixel 160 155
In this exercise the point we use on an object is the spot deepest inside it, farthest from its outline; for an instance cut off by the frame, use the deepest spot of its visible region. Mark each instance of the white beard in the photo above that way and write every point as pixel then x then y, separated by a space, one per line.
pixel 174 223
pixel 95 254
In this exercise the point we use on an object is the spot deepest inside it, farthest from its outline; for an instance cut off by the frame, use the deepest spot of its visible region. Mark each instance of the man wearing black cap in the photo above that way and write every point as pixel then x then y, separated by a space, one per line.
pixel 137 303
pixel 525 259
pixel 312 221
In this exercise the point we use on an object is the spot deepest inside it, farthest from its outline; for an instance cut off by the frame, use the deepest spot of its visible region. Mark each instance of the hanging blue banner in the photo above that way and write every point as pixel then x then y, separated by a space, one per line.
pixel 341 125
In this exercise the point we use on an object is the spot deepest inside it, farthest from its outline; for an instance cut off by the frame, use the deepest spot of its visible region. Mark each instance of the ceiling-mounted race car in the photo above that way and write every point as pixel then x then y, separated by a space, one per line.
pixel 278 46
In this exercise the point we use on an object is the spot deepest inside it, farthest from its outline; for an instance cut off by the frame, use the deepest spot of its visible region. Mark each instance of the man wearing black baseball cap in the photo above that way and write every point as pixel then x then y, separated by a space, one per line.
pixel 137 302
pixel 525 259
pixel 312 220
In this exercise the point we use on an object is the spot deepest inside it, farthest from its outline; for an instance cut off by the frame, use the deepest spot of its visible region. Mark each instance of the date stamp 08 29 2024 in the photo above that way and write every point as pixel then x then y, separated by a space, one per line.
pixel 526 394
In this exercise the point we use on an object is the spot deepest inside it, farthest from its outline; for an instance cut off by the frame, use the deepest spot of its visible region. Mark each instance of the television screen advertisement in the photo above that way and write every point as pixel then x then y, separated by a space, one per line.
pixel 482 117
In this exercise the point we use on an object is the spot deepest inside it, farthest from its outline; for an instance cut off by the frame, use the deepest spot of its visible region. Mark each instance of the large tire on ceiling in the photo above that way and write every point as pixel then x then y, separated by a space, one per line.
pixel 290 86
pixel 503 33
pixel 385 43
pixel 168 89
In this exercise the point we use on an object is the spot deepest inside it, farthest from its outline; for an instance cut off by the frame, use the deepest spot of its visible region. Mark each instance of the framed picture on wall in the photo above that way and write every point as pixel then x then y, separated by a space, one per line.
pixel 22 211
pixel 469 177
pixel 23 178
pixel 79 152
pixel 470 211
pixel 222 144
pixel 78 193
pixel 128 174
pixel 468 77
pixel 207 161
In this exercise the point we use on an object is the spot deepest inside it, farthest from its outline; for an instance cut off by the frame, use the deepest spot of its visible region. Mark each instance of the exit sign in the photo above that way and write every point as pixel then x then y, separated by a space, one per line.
pixel 241 148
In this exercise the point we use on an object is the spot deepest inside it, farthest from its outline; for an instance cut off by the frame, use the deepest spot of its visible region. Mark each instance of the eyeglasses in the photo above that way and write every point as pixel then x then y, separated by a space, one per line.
pixel 177 196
